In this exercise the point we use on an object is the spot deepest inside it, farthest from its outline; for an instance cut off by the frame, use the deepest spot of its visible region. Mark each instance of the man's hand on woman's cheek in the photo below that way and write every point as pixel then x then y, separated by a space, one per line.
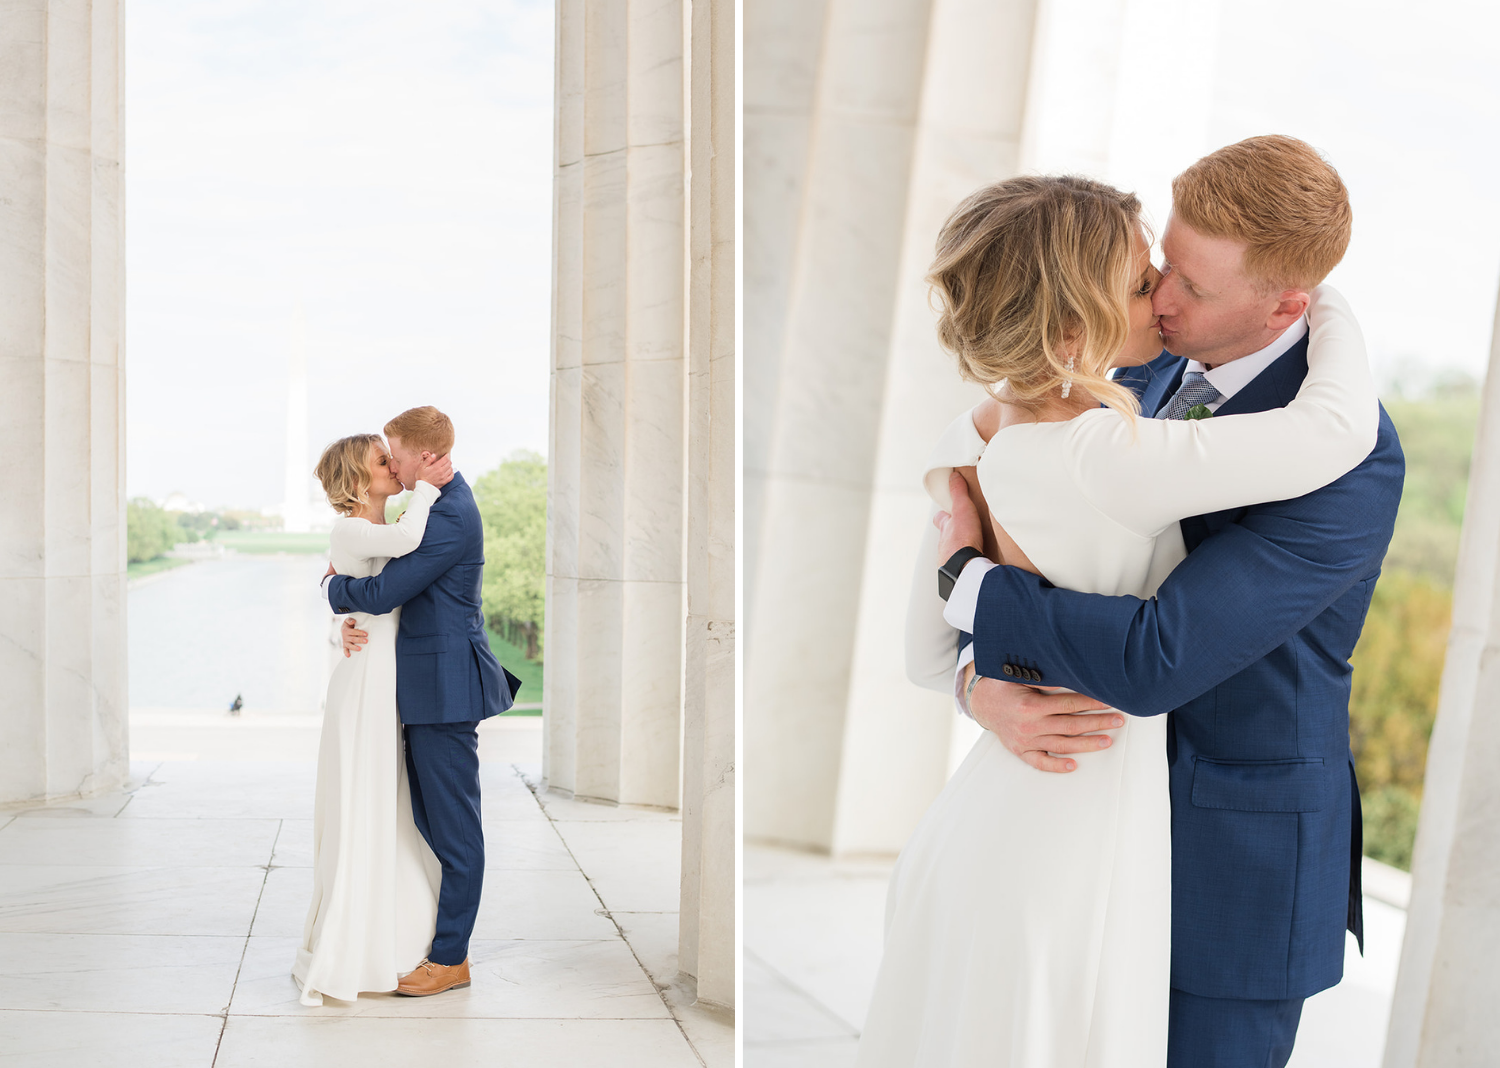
pixel 1042 727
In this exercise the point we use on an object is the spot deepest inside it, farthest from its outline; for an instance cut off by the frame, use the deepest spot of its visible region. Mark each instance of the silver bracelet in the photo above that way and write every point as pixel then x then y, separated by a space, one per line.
pixel 969 693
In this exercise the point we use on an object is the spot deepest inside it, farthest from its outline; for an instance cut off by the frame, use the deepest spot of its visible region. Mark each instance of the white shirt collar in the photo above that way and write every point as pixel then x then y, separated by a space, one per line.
pixel 1229 378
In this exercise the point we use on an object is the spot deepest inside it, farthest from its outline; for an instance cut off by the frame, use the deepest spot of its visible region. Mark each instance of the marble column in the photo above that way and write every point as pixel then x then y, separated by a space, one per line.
pixel 1442 1014
pixel 900 742
pixel 64 712
pixel 782 44
pixel 615 515
pixel 830 379
pixel 706 947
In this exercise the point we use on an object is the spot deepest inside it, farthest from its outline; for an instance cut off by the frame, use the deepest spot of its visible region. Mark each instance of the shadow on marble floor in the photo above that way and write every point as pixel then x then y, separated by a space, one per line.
pixel 812 937
pixel 161 920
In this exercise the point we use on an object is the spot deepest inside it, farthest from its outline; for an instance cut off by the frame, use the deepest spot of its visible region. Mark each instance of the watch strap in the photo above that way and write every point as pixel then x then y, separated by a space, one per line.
pixel 949 572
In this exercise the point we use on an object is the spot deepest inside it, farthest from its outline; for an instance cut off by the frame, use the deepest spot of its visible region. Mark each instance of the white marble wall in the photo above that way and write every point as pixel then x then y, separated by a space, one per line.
pixel 62 532
pixel 707 934
pixel 640 687
pixel 1443 1015
pixel 615 578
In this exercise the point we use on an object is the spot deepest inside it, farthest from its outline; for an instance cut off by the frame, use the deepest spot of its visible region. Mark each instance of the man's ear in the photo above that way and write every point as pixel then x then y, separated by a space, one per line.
pixel 1291 305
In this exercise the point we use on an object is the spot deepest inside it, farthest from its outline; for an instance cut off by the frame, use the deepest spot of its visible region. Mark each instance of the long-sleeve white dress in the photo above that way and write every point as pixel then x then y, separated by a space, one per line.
pixel 1028 921
pixel 375 880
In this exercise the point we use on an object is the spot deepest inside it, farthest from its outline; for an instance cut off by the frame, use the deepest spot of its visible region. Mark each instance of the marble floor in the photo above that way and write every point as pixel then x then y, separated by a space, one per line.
pixel 157 924
pixel 812 936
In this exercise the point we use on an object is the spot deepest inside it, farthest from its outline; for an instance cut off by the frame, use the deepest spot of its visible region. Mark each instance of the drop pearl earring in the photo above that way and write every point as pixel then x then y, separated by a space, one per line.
pixel 1068 382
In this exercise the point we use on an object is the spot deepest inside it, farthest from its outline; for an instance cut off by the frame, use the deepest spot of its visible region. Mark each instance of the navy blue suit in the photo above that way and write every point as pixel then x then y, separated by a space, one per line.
pixel 1246 648
pixel 447 680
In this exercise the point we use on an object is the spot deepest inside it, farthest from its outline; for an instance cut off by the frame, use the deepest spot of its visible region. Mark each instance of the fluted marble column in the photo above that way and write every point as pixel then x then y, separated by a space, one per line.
pixel 783 45
pixel 641 509
pixel 615 515
pixel 900 741
pixel 814 504
pixel 63 712
pixel 706 947
pixel 1442 1014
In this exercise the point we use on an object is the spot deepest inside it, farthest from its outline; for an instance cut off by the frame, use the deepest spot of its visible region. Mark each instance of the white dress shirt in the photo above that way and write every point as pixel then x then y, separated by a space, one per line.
pixel 1228 378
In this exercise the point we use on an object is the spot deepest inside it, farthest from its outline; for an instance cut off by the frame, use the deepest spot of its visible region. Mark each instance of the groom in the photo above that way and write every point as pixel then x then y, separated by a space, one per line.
pixel 447 680
pixel 1246 645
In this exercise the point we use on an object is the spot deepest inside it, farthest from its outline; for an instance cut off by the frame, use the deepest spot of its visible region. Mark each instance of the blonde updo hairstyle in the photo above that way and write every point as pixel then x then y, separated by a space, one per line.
pixel 344 470
pixel 1026 268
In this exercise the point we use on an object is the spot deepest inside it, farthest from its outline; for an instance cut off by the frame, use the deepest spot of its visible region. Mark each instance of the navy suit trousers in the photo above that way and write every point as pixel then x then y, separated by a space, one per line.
pixel 442 764
pixel 1231 1032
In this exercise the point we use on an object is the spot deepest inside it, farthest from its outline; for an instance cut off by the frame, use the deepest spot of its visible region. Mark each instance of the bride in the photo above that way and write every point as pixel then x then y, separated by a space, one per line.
pixel 375 881
pixel 1028 919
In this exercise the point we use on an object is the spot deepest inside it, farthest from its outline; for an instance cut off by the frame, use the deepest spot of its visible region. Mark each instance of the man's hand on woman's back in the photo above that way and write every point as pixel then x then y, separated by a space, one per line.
pixel 353 636
pixel 1040 726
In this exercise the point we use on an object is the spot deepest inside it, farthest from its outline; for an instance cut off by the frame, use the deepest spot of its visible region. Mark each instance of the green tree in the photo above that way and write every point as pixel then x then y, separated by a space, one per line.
pixel 149 531
pixel 1398 664
pixel 512 502
pixel 1437 435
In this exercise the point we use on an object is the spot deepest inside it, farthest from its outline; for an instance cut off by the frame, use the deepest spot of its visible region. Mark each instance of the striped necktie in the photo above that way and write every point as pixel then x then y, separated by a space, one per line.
pixel 1195 390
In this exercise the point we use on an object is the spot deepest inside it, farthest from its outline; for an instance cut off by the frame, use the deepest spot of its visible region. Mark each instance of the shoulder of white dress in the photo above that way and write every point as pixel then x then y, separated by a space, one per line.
pixel 347 524
pixel 959 445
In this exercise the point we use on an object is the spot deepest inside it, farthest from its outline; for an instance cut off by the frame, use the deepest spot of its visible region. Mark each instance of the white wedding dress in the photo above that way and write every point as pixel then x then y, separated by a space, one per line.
pixel 375 881
pixel 1028 919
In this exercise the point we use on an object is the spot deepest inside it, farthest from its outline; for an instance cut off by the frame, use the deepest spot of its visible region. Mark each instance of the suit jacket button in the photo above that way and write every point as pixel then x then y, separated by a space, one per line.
pixel 1009 670
pixel 1036 676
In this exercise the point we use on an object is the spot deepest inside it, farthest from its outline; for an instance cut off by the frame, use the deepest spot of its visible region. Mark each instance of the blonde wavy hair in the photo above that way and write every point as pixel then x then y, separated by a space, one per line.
pixel 1028 267
pixel 344 470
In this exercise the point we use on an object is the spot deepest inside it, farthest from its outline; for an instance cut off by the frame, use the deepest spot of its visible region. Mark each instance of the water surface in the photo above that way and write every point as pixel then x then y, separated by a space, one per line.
pixel 253 625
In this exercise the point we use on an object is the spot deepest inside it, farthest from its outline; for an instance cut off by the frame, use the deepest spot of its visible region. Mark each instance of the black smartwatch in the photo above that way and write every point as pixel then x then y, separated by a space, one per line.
pixel 949 572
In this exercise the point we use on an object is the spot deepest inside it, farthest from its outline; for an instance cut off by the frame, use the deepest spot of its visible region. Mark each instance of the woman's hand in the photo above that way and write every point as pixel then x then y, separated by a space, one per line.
pixel 436 470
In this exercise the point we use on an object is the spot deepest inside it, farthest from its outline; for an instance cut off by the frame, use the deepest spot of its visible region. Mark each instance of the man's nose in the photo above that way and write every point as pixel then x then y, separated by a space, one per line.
pixel 1162 301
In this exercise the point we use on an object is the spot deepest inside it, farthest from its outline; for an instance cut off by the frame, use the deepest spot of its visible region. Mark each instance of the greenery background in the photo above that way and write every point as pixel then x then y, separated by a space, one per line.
pixel 1398 663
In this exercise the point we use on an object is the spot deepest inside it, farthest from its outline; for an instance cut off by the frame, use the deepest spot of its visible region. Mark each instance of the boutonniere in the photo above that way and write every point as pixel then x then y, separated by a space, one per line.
pixel 1199 411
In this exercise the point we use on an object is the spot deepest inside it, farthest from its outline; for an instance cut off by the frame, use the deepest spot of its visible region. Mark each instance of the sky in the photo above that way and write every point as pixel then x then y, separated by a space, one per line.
pixel 387 166
pixel 1403 99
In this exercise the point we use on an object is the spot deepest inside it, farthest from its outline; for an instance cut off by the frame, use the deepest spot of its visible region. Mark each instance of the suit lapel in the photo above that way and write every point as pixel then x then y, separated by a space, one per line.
pixel 1272 388
pixel 1154 382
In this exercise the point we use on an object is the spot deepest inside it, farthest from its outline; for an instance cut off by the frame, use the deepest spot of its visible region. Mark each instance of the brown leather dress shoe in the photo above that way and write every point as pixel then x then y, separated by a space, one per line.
pixel 429 978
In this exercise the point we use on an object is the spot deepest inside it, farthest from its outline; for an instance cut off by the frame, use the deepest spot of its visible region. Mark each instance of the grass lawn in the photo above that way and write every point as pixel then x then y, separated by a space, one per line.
pixel 272 541
pixel 528 671
pixel 151 567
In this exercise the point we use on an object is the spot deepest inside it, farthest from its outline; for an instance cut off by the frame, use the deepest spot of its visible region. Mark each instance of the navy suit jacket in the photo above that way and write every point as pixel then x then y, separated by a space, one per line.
pixel 1246 648
pixel 445 671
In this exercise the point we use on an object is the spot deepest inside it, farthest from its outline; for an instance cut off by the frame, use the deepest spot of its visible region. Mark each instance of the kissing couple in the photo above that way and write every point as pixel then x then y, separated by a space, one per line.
pixel 1154 546
pixel 398 846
